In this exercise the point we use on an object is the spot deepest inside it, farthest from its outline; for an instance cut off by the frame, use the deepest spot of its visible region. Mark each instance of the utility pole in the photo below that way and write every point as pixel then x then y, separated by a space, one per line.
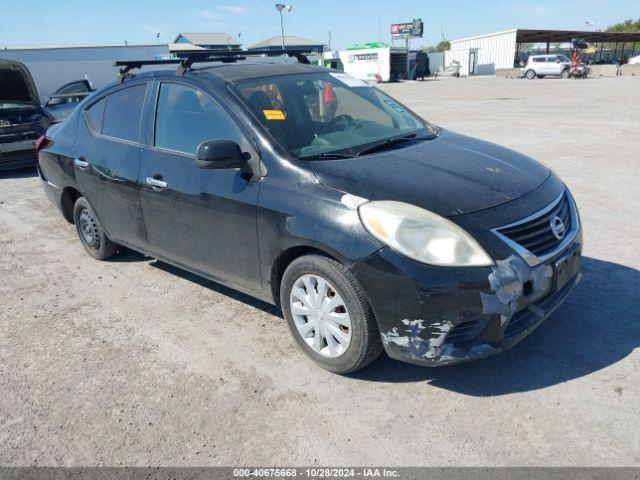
pixel 280 7
pixel 408 52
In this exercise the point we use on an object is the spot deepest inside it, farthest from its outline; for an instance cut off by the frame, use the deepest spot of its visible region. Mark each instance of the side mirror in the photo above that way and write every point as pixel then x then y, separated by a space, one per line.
pixel 220 154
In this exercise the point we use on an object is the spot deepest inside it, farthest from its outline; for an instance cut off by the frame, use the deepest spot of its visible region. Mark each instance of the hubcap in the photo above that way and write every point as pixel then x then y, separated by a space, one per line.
pixel 320 315
pixel 88 229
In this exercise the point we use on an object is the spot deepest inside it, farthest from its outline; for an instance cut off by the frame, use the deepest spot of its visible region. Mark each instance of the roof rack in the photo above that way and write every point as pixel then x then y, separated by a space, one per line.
pixel 186 58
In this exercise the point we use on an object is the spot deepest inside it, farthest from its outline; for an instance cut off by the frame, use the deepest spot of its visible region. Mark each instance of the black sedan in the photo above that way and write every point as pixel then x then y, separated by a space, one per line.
pixel 314 191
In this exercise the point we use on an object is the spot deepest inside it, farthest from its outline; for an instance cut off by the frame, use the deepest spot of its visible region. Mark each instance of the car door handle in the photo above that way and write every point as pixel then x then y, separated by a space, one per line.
pixel 156 183
pixel 81 163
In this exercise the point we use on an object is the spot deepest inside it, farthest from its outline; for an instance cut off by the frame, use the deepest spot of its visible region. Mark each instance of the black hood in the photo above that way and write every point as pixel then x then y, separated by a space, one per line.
pixel 450 175
pixel 16 83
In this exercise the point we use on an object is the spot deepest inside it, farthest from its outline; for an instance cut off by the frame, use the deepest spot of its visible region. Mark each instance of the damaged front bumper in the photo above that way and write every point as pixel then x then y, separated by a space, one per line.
pixel 438 316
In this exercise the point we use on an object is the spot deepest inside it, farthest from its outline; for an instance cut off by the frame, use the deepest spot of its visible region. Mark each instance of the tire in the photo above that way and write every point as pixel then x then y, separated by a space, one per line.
pixel 364 343
pixel 566 73
pixel 91 234
pixel 530 74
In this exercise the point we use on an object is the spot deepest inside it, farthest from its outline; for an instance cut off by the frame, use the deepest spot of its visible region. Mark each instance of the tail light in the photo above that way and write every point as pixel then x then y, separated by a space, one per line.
pixel 41 143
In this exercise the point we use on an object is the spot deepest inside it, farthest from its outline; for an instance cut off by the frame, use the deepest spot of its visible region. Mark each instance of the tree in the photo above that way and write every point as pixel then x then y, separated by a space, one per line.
pixel 443 46
pixel 626 26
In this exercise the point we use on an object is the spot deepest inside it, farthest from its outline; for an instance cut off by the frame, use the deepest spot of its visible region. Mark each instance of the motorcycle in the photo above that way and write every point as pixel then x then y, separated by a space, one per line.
pixel 577 71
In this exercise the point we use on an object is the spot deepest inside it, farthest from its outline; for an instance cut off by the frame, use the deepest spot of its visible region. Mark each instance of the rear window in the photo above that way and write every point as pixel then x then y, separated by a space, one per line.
pixel 123 112
pixel 78 87
pixel 95 114
pixel 13 87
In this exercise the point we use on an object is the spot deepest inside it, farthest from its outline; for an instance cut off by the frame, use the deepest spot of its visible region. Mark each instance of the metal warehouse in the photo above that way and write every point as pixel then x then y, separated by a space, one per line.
pixel 484 54
pixel 52 66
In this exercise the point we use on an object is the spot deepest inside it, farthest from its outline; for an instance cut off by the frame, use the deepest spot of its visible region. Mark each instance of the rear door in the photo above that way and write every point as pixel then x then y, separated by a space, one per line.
pixel 203 219
pixel 108 150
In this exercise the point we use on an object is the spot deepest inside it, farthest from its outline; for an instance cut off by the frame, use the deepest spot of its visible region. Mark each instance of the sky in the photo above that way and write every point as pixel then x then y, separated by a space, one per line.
pixel 47 22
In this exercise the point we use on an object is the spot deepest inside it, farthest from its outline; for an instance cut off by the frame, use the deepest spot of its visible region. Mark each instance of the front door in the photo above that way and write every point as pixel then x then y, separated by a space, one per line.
pixel 108 160
pixel 203 219
pixel 472 61
pixel 554 66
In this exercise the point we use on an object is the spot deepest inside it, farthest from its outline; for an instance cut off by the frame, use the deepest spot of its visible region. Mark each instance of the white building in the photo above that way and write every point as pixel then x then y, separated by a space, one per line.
pixel 484 54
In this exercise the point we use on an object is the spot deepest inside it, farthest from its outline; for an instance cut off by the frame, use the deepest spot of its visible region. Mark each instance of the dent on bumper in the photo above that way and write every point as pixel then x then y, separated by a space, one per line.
pixel 434 316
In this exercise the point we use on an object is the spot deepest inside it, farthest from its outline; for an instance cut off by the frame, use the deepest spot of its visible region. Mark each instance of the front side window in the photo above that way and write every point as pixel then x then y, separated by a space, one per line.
pixel 123 112
pixel 186 117
pixel 95 113
pixel 315 114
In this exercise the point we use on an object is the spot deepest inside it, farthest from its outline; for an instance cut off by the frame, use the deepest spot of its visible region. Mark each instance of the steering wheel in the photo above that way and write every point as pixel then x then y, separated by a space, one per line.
pixel 341 122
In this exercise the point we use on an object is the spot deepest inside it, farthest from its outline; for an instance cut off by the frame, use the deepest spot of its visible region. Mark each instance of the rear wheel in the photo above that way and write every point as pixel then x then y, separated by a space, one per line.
pixel 531 74
pixel 329 315
pixel 91 234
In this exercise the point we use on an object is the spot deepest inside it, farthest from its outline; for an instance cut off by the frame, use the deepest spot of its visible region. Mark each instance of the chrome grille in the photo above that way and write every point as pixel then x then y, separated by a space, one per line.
pixel 535 235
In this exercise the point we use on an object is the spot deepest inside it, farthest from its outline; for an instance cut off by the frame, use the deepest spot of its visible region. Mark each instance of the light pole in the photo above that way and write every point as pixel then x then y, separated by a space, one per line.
pixel 280 7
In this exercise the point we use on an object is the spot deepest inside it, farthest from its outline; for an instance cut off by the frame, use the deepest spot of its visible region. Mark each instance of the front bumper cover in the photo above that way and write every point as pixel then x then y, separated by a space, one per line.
pixel 438 316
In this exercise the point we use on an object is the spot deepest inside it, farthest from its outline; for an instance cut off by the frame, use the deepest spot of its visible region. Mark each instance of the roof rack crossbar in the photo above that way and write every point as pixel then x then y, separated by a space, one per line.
pixel 187 58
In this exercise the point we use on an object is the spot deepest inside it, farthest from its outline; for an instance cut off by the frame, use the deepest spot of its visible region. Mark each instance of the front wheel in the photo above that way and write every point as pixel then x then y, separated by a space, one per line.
pixel 329 315
pixel 91 234
pixel 566 73
pixel 531 74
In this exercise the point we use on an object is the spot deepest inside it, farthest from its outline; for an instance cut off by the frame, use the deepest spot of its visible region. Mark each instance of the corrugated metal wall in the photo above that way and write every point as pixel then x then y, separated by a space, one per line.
pixel 492 52
pixel 436 62
pixel 53 67
pixel 50 75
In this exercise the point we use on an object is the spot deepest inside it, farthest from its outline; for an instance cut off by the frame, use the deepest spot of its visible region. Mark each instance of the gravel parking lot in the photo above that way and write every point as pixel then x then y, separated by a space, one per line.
pixel 132 362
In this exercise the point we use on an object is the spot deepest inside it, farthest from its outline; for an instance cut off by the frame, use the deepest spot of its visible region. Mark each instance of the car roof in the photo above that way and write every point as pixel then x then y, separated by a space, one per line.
pixel 239 71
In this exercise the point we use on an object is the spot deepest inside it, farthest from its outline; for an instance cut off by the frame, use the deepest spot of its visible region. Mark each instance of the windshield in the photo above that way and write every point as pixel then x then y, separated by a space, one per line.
pixel 564 58
pixel 327 113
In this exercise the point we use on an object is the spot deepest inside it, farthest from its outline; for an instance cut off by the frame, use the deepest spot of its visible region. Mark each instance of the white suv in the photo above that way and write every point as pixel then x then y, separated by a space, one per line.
pixel 543 65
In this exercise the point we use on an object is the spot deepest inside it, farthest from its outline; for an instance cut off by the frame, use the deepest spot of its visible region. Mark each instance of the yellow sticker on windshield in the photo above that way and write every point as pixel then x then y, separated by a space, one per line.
pixel 274 114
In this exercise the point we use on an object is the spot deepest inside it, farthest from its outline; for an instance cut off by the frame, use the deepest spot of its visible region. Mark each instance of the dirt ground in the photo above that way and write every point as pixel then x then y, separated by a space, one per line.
pixel 132 362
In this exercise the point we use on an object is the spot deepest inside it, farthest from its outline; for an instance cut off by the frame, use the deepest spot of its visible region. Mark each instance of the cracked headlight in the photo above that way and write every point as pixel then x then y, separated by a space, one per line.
pixel 422 235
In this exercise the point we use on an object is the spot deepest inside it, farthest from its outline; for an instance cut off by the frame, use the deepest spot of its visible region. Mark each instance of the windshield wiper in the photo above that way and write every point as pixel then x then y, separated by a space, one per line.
pixel 386 143
pixel 326 156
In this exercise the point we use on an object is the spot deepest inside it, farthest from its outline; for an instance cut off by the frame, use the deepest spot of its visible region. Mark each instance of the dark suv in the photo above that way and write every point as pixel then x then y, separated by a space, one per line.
pixel 22 118
pixel 314 191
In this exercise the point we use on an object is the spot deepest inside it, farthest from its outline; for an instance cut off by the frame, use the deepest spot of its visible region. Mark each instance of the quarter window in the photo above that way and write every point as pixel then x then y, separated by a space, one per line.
pixel 186 117
pixel 123 112
pixel 95 113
